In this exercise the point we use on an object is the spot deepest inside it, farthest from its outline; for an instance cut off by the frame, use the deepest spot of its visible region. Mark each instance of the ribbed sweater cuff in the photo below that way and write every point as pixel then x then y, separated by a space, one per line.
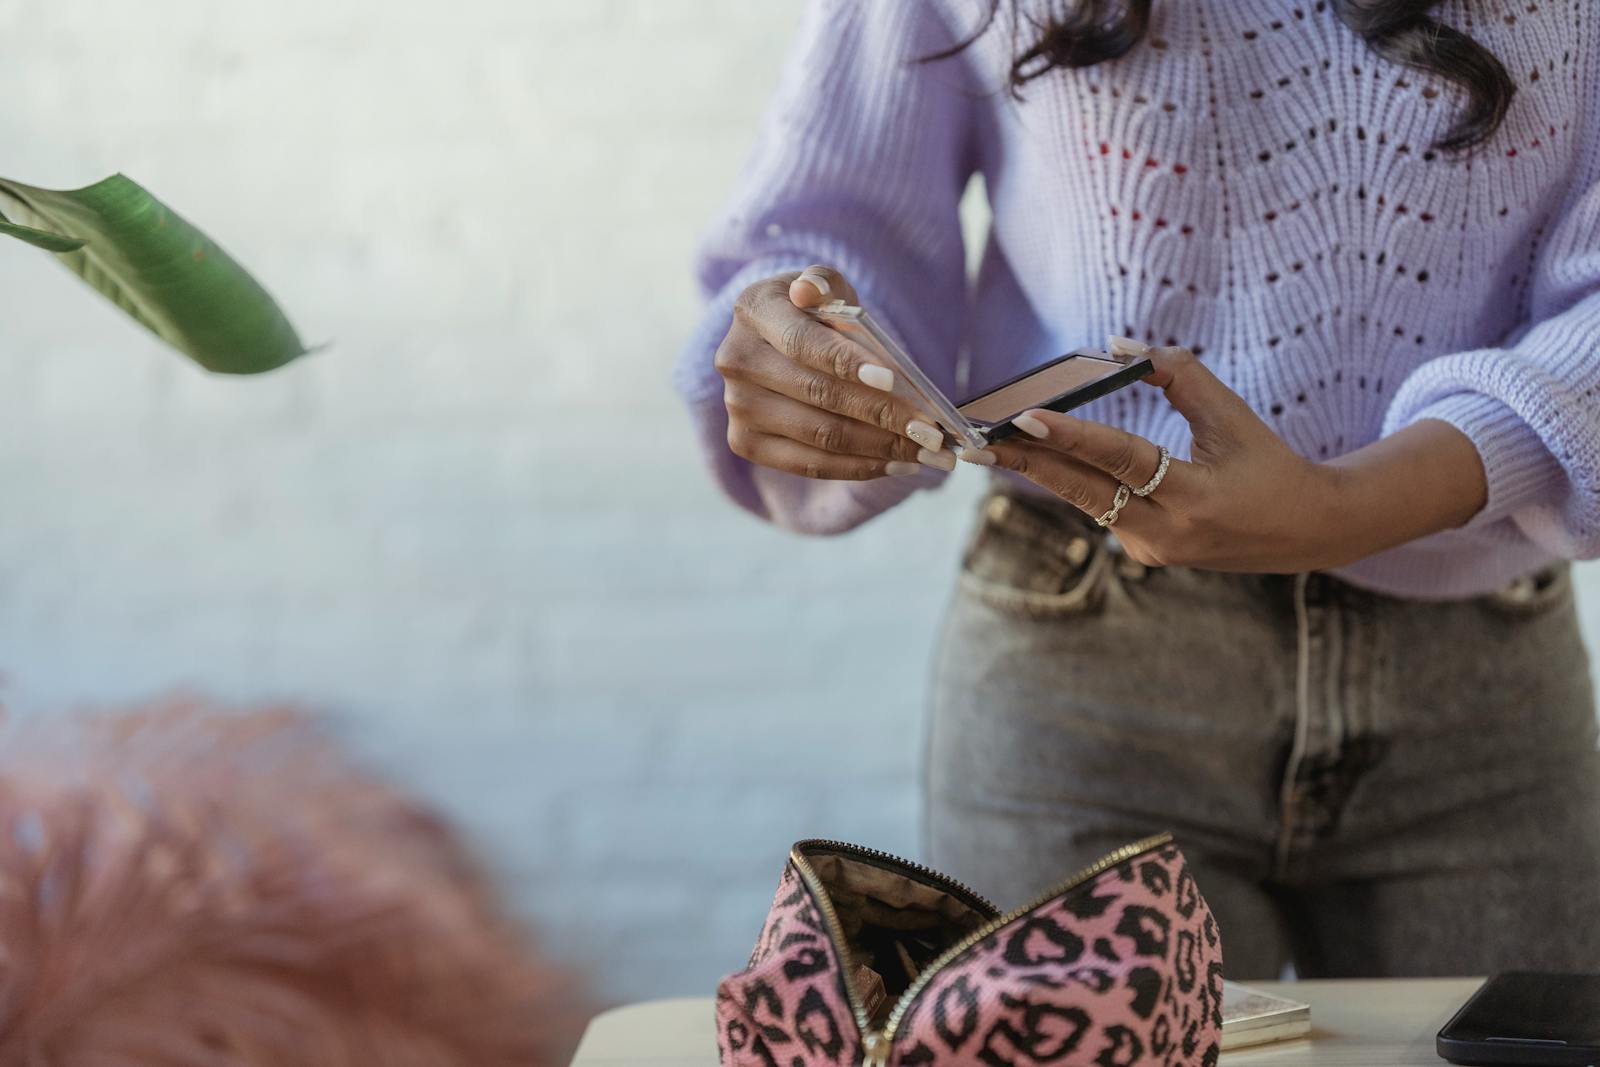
pixel 1520 469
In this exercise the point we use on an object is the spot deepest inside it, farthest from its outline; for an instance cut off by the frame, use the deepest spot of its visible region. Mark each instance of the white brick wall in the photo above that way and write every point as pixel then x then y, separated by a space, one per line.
pixel 475 529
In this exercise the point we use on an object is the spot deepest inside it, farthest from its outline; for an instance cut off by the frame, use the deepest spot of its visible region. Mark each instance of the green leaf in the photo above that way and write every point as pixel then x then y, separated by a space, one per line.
pixel 150 262
pixel 50 242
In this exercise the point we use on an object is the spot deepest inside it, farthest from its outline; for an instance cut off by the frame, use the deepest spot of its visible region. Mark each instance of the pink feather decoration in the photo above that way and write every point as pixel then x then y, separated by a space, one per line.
pixel 181 888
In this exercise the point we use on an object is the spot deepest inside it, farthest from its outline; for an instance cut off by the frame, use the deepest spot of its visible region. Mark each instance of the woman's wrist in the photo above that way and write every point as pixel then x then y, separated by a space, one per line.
pixel 1422 480
pixel 1244 500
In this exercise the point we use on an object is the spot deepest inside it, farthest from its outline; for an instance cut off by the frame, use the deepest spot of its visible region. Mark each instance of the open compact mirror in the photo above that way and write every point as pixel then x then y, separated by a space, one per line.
pixel 1062 384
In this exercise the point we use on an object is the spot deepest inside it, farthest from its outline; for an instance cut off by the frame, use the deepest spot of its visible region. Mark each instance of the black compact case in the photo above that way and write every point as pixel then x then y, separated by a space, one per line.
pixel 1125 371
pixel 1079 385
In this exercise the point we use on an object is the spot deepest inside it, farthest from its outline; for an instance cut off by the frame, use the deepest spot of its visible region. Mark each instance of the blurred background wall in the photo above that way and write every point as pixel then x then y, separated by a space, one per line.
pixel 474 530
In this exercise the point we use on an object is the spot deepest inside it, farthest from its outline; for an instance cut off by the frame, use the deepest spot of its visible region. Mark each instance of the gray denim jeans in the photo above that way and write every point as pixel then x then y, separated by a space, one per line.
pixel 1364 785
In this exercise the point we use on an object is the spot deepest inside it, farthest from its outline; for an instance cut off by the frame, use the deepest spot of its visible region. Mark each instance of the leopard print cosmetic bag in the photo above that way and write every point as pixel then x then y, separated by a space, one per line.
pixel 871 959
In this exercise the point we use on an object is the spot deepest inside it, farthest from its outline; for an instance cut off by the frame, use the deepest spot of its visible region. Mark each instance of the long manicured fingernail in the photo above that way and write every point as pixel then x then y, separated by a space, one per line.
pixel 924 435
pixel 876 376
pixel 1031 425
pixel 900 468
pixel 945 461
pixel 817 280
pixel 1126 346
pixel 980 456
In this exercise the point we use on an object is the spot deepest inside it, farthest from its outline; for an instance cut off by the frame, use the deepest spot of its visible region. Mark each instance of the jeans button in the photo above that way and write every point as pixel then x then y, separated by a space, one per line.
pixel 1521 590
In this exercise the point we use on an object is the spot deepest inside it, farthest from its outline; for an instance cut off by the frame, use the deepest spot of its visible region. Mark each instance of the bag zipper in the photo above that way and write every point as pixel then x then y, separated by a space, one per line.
pixel 876 1044
pixel 876 1049
pixel 878 857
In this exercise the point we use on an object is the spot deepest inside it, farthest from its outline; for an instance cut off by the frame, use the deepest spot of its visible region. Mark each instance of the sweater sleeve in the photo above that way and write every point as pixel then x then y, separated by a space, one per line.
pixel 1532 406
pixel 859 164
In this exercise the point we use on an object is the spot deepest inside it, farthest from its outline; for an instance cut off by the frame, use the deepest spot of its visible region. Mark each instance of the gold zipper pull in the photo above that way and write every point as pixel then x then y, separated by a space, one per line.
pixel 875 1049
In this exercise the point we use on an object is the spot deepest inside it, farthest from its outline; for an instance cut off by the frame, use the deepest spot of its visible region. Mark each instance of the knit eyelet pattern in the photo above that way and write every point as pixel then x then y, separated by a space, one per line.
pixel 1250 181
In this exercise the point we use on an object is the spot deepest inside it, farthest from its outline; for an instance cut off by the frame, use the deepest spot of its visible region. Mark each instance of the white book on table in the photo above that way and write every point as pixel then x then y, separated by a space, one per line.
pixel 1251 1017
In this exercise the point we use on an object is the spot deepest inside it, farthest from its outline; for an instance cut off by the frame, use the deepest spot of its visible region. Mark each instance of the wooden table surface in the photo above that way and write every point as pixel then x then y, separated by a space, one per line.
pixel 1390 1022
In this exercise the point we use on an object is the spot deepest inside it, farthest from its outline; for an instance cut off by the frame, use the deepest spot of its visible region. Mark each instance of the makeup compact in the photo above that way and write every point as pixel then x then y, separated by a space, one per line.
pixel 1061 384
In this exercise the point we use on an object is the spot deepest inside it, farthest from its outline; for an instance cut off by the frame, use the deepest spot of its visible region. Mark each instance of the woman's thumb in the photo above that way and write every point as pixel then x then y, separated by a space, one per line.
pixel 1202 398
pixel 818 285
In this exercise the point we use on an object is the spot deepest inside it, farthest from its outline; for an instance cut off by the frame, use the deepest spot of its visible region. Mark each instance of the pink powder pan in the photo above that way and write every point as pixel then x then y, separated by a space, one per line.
pixel 1039 387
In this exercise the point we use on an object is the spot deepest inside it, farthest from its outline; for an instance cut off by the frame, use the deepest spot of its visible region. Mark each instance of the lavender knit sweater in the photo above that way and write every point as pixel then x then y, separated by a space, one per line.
pixel 1249 181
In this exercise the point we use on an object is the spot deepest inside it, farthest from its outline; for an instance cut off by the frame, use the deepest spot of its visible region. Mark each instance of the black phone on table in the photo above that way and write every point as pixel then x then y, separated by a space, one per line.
pixel 1527 1018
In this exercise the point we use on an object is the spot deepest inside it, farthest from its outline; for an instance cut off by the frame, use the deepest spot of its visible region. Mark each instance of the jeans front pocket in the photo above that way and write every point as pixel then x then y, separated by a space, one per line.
pixel 1021 560
pixel 1534 594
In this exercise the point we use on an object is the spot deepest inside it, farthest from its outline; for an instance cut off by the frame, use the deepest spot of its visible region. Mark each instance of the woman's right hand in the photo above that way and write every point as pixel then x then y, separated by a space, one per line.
pixel 801 398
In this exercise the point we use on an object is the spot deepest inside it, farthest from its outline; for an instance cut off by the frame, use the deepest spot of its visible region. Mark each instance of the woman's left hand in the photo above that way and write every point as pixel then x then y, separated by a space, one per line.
pixel 1244 501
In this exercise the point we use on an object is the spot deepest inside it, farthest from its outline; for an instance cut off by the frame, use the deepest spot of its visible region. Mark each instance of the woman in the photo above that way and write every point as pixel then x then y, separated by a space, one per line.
pixel 1334 648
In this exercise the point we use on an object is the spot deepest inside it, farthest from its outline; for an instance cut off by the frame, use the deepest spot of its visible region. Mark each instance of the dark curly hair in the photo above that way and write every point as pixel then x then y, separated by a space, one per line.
pixel 1086 32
